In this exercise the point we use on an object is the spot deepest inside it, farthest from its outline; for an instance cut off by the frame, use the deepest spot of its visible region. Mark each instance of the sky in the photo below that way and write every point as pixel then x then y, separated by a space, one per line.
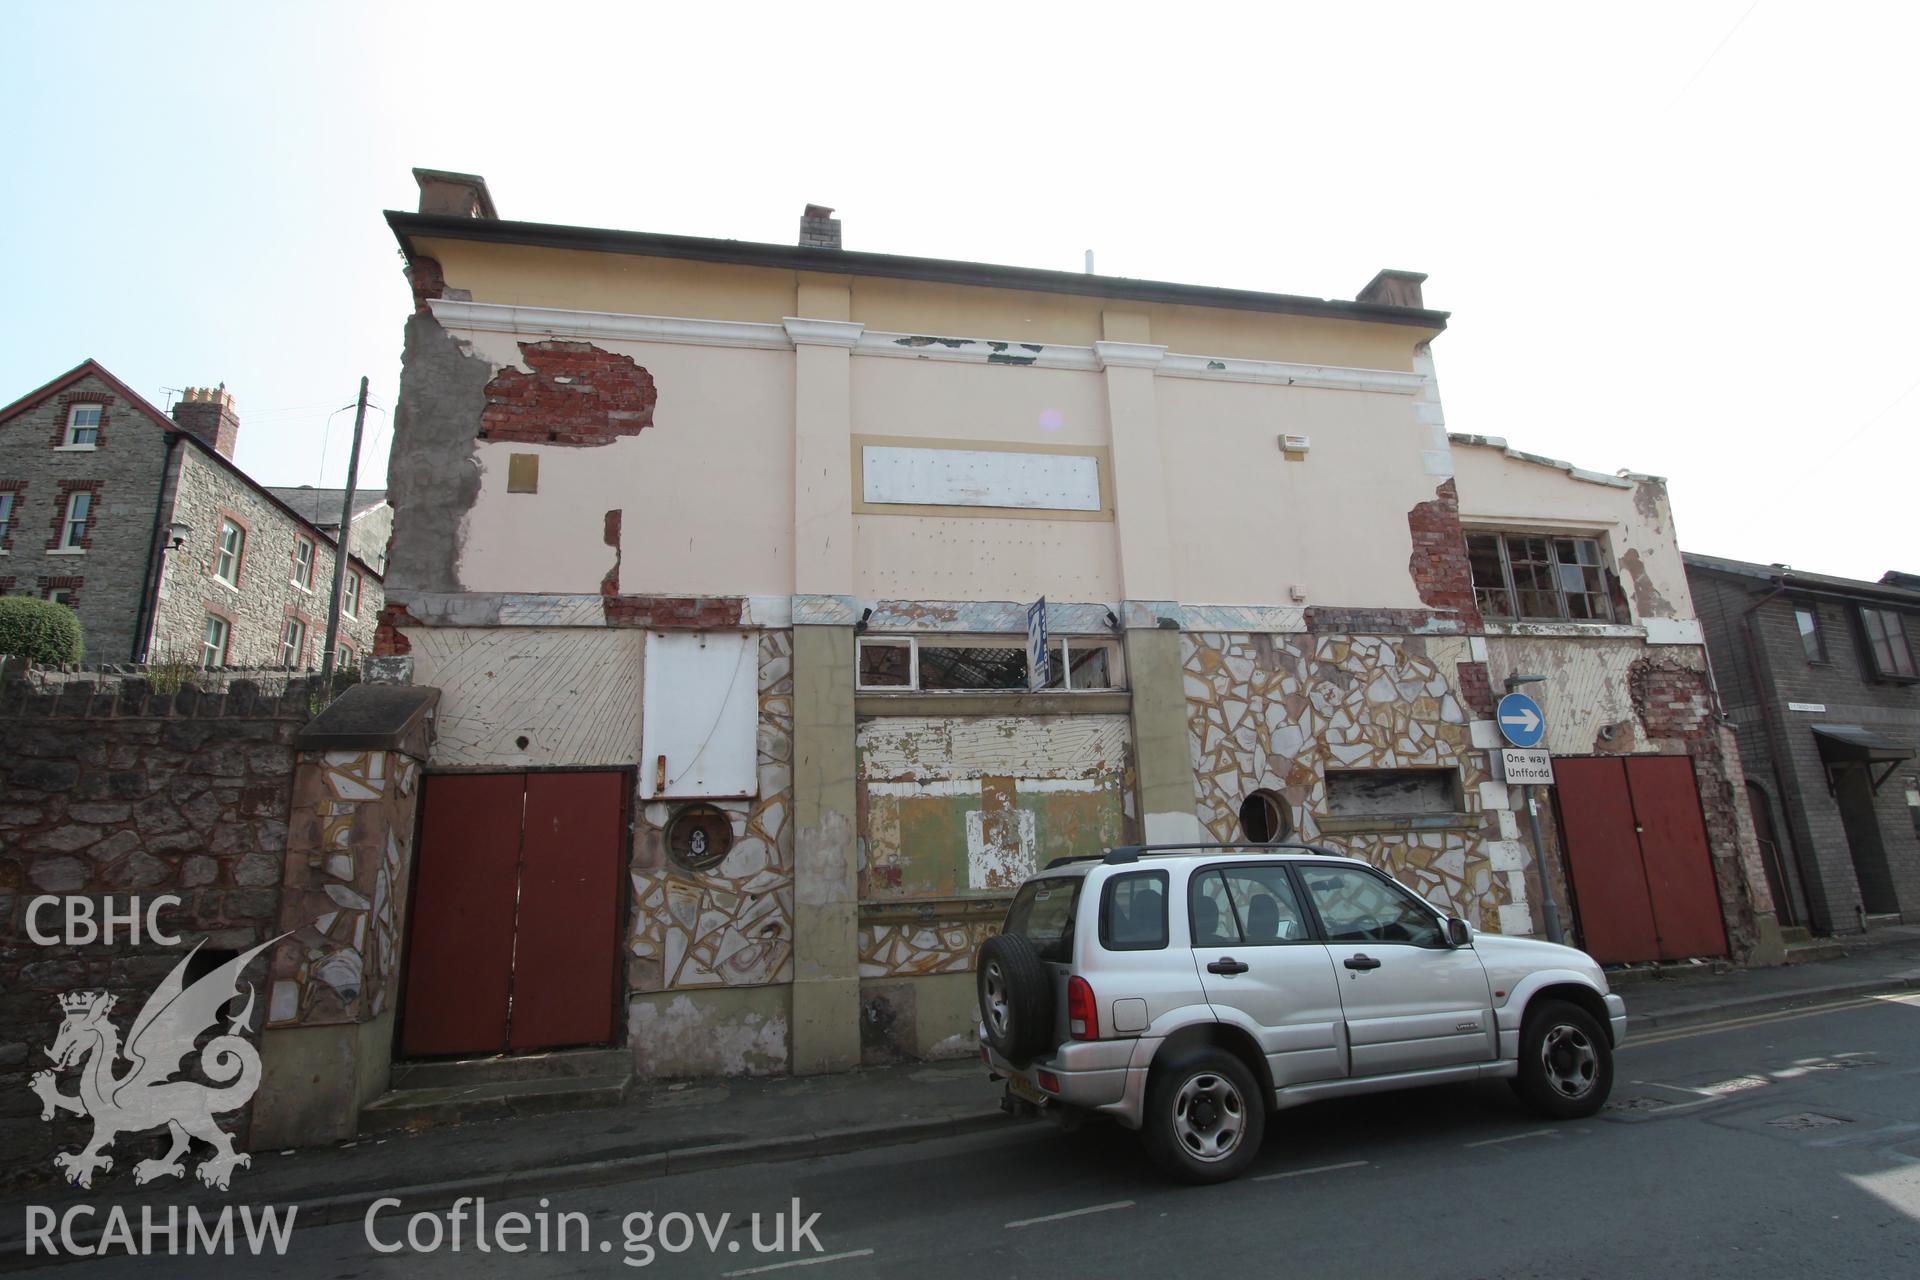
pixel 1674 238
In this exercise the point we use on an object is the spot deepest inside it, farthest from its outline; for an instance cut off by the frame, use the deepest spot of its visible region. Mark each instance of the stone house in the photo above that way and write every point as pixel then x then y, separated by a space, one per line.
pixel 165 548
pixel 721 557
pixel 1819 674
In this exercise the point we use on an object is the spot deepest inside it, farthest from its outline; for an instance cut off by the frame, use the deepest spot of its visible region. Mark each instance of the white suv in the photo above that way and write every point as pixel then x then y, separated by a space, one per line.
pixel 1185 990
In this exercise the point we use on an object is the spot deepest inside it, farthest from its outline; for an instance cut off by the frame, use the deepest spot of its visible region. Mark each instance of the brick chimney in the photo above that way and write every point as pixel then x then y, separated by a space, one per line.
pixel 464 195
pixel 1394 289
pixel 819 229
pixel 207 413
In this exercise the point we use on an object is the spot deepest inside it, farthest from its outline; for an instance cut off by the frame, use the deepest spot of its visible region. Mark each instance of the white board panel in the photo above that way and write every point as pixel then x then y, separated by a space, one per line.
pixel 701 712
pixel 979 478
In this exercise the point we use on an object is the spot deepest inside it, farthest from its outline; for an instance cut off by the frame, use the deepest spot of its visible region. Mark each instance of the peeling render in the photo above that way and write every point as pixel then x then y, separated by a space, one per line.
pixel 952 808
pixel 1647 600
pixel 434 479
pixel 610 585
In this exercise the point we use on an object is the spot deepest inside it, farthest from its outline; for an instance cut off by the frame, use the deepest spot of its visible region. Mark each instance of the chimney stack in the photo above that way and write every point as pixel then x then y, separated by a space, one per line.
pixel 819 229
pixel 464 195
pixel 207 414
pixel 1394 289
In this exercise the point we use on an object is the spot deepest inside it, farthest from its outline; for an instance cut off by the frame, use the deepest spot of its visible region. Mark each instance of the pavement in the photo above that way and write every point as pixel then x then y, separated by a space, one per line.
pixel 684 1127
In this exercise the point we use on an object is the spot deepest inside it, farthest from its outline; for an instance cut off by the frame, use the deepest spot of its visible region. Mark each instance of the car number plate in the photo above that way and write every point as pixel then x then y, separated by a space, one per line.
pixel 1027 1091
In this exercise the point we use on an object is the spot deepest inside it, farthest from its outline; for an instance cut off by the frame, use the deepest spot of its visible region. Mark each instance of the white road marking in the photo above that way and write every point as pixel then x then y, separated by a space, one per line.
pixel 1071 1213
pixel 1761 1019
pixel 1301 1173
pixel 1512 1137
pixel 801 1262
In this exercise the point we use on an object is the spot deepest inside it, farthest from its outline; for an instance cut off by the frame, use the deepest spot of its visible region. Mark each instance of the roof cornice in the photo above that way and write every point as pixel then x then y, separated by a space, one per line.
pixel 748 253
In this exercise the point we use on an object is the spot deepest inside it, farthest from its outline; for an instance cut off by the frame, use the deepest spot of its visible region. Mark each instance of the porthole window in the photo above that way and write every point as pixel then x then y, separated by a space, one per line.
pixel 700 836
pixel 1264 818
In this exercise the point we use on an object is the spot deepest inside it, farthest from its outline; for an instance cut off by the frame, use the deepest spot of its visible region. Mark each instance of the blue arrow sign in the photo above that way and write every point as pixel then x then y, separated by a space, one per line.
pixel 1521 720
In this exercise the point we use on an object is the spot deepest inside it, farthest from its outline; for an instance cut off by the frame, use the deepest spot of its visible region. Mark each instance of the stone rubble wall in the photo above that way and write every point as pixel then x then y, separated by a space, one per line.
pixel 113 790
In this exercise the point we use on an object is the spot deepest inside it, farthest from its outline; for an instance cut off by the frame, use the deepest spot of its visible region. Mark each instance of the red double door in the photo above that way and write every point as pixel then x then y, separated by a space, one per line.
pixel 513 940
pixel 1637 853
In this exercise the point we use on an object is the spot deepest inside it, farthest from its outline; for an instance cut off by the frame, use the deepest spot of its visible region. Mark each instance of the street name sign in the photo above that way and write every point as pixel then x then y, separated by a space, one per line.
pixel 1527 767
pixel 1521 720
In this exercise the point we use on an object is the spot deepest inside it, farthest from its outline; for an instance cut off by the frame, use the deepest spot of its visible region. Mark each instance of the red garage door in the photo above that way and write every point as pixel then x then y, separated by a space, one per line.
pixel 1637 854
pixel 514 930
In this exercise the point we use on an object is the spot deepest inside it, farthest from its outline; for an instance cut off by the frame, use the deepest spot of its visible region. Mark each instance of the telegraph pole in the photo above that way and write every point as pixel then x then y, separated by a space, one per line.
pixel 340 547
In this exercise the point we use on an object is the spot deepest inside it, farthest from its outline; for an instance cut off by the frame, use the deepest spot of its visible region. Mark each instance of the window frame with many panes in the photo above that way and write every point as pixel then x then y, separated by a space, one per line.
pixel 982 664
pixel 76 522
pixel 216 639
pixel 1889 649
pixel 1544 571
pixel 305 552
pixel 293 644
pixel 72 440
pixel 229 561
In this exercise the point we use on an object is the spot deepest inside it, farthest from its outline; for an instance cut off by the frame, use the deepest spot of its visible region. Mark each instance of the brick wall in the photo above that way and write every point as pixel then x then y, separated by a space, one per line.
pixel 1438 564
pixel 576 394
pixel 122 471
pixel 114 790
pixel 1782 753
pixel 258 607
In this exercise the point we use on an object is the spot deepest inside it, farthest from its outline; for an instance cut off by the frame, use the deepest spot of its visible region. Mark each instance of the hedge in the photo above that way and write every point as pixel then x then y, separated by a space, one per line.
pixel 39 631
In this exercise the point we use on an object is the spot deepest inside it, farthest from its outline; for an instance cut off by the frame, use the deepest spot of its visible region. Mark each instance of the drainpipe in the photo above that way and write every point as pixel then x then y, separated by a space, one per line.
pixel 150 584
pixel 1776 735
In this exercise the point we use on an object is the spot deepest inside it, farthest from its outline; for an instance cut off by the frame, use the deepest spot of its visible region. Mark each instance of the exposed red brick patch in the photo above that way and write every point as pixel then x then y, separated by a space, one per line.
pixel 1671 699
pixel 1439 561
pixel 388 640
pixel 428 282
pixel 610 585
pixel 577 394
pixel 699 613
pixel 1476 688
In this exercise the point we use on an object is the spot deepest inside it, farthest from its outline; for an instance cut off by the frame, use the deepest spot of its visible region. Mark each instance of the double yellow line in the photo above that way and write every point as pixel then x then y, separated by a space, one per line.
pixel 1759 1019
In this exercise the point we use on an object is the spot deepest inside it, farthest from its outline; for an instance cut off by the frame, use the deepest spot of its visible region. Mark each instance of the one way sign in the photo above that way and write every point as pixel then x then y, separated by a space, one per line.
pixel 1521 721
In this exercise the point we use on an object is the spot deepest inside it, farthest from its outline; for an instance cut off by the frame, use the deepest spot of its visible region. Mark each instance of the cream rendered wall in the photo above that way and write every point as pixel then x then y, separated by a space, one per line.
pixel 584 280
pixel 686 527
pixel 973 557
pixel 1637 522
pixel 1248 523
pixel 589 280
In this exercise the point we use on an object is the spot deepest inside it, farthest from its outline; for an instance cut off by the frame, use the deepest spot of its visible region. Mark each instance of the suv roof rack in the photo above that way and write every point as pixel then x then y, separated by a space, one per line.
pixel 1133 852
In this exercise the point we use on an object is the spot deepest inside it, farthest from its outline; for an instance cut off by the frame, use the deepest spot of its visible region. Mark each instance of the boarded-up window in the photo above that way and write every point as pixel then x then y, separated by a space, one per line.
pixel 1356 793
pixel 700 715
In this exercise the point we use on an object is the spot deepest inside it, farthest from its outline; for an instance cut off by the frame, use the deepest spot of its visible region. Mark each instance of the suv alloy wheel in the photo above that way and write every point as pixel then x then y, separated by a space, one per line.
pixel 1205 1115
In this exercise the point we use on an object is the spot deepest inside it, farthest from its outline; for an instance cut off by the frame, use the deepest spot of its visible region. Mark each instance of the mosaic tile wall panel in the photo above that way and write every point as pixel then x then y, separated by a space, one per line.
pixel 1275 712
pixel 349 845
pixel 731 926
pixel 916 950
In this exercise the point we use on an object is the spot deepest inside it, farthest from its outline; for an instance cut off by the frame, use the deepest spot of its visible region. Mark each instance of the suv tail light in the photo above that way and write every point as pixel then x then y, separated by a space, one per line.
pixel 1083 1015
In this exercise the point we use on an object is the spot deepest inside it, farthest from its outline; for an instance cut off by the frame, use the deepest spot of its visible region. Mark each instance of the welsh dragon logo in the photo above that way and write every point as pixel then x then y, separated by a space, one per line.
pixel 145 1096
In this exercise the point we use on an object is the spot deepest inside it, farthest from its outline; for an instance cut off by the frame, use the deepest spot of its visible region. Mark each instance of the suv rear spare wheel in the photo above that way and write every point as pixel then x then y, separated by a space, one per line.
pixel 1016 998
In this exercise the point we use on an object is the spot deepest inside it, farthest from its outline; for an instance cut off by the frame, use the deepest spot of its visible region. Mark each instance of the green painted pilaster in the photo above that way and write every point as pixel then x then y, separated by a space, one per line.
pixel 826 967
pixel 1162 754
